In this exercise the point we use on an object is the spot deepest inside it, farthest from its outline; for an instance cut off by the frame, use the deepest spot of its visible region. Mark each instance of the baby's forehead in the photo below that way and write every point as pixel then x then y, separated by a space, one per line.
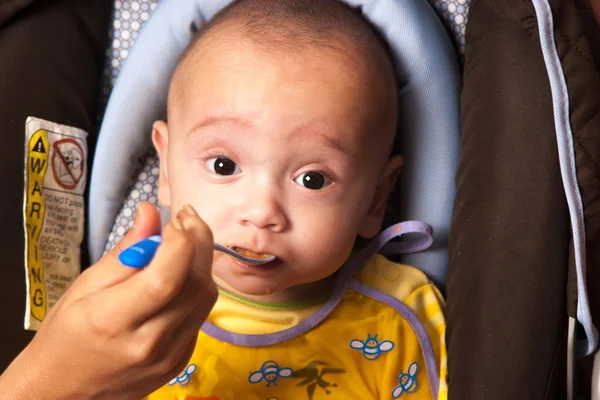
pixel 214 54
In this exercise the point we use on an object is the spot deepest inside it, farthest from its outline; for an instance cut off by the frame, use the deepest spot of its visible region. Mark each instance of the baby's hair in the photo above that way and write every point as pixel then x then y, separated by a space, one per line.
pixel 294 22
pixel 284 25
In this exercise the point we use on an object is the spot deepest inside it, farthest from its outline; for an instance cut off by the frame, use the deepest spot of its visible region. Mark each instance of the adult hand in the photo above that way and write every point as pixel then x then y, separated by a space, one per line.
pixel 119 332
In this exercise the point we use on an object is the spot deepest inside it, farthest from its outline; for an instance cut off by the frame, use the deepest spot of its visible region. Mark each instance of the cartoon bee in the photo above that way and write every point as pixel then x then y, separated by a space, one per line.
pixel 184 378
pixel 408 382
pixel 270 372
pixel 372 348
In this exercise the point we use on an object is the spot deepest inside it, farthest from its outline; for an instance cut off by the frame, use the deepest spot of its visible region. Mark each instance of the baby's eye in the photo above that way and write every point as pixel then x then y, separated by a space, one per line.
pixel 222 166
pixel 312 180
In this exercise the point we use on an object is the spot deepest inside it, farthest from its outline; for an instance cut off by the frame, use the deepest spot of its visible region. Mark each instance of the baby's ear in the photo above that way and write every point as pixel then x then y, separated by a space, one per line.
pixel 160 138
pixel 371 225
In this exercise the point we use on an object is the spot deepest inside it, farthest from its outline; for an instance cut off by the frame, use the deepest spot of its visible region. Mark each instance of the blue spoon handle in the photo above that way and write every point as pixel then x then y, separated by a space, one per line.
pixel 140 254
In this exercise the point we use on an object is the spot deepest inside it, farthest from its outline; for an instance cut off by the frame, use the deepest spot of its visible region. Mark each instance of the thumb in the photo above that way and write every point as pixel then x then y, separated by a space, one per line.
pixel 109 271
pixel 146 224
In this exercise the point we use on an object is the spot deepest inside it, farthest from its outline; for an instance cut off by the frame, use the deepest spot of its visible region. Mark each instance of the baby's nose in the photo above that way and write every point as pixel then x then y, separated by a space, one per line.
pixel 264 212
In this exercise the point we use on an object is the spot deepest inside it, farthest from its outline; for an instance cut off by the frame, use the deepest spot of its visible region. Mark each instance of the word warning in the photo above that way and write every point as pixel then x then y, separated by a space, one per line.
pixel 53 209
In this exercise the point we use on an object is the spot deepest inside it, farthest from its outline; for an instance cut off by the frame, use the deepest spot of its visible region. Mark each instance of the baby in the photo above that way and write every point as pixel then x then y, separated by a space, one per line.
pixel 282 117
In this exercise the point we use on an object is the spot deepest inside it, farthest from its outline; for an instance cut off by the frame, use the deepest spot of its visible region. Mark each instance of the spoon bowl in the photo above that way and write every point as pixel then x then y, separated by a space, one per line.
pixel 244 259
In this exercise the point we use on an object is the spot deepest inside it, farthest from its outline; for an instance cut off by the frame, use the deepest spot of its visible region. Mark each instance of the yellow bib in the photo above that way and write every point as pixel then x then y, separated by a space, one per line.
pixel 363 350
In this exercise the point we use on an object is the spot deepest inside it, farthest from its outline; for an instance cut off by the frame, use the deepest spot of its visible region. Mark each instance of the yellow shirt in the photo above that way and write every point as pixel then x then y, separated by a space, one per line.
pixel 361 348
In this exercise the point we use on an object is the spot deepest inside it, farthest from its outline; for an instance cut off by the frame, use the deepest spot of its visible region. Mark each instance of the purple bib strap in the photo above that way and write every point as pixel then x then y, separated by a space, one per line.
pixel 421 238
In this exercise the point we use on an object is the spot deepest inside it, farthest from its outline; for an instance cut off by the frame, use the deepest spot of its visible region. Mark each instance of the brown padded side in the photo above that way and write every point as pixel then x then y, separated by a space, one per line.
pixel 51 58
pixel 510 227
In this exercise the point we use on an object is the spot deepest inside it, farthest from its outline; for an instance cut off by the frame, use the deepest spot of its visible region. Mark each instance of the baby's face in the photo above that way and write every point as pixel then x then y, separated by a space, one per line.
pixel 277 154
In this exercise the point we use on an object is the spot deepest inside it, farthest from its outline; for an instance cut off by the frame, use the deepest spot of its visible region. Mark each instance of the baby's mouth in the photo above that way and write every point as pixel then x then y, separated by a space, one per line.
pixel 251 254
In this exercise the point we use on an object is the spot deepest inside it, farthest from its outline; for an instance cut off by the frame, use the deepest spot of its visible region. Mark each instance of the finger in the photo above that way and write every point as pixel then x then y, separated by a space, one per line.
pixel 181 344
pixel 150 290
pixel 160 379
pixel 192 222
pixel 109 270
pixel 197 297
pixel 146 224
pixel 182 357
pixel 173 353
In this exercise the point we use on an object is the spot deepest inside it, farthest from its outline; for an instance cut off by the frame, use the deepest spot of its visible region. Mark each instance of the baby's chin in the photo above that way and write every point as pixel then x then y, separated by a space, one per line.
pixel 274 290
pixel 251 287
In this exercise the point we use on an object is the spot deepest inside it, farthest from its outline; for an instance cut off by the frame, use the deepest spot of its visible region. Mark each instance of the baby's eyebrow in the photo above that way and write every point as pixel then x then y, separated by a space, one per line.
pixel 329 141
pixel 303 133
pixel 214 121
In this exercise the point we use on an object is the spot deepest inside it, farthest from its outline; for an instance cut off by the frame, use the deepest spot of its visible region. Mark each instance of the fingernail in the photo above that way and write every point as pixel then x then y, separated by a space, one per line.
pixel 189 210
pixel 138 213
pixel 177 224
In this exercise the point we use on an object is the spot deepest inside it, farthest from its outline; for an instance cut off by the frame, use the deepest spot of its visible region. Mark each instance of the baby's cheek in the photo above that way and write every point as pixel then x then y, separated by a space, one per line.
pixel 196 193
pixel 331 243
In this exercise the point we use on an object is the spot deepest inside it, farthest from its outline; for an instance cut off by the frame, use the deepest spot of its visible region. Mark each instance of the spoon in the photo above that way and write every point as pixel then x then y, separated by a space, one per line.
pixel 140 254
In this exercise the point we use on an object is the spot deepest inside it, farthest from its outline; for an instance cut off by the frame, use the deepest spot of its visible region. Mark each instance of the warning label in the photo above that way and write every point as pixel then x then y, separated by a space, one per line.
pixel 55 180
